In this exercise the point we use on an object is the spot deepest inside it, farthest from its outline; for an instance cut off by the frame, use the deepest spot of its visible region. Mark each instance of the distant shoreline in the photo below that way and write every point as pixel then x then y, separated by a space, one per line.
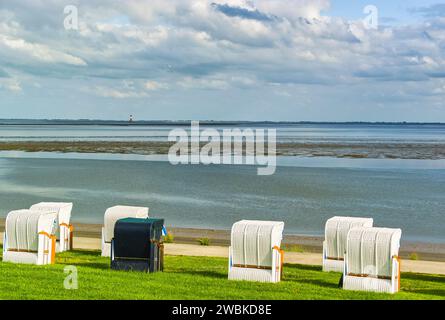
pixel 71 122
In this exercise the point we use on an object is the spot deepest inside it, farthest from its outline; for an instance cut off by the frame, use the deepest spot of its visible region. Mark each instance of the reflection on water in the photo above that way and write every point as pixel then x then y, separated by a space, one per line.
pixel 307 133
pixel 216 196
pixel 288 161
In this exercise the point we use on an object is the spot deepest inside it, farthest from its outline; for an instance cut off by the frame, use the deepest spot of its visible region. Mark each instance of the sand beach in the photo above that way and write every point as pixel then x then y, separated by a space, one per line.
pixel 430 257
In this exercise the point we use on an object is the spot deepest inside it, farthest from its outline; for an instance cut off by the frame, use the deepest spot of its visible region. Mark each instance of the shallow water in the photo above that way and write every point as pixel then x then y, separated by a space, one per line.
pixel 298 133
pixel 411 197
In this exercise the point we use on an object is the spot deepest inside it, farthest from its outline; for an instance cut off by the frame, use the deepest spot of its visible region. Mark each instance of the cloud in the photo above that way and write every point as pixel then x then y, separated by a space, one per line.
pixel 155 86
pixel 252 39
pixel 12 85
pixel 175 50
pixel 38 51
pixel 126 89
pixel 117 93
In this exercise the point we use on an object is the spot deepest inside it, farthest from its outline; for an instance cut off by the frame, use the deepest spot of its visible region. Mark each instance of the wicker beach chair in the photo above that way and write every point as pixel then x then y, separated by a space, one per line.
pixel 255 254
pixel 137 245
pixel 29 237
pixel 371 260
pixel 65 230
pixel 111 216
pixel 334 245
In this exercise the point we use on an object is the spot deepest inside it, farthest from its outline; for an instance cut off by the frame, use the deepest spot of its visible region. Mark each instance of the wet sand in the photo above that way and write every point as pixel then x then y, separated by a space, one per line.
pixel 299 243
pixel 356 150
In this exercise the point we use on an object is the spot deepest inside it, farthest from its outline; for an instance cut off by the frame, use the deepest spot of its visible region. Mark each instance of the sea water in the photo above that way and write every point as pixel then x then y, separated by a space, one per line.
pixel 303 192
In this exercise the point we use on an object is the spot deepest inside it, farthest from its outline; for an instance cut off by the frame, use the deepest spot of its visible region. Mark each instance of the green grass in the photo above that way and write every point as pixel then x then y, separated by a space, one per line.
pixel 414 256
pixel 188 278
pixel 292 248
pixel 169 238
pixel 204 241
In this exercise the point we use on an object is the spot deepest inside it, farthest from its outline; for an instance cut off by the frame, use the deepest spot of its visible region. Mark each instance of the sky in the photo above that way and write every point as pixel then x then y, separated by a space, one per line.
pixel 276 60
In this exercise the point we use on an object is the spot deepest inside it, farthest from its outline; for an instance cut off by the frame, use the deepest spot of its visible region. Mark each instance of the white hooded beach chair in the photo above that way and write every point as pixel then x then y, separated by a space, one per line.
pixel 65 230
pixel 334 245
pixel 255 254
pixel 111 216
pixel 371 261
pixel 29 237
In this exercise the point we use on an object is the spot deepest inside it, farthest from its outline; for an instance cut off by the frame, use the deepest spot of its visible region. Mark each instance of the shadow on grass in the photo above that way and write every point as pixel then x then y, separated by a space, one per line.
pixel 432 292
pixel 301 267
pixel 80 253
pixel 423 277
pixel 204 273
pixel 320 283
pixel 88 264
pixel 93 265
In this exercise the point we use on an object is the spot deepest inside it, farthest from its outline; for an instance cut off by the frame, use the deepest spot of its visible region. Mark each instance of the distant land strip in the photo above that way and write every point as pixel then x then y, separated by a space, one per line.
pixel 363 150
pixel 92 122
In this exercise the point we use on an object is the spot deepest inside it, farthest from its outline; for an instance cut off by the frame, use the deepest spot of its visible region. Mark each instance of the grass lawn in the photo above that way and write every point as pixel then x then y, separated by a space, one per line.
pixel 188 278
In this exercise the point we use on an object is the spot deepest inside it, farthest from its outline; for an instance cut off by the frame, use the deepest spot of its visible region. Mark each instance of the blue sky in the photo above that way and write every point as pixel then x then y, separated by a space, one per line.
pixel 400 11
pixel 224 60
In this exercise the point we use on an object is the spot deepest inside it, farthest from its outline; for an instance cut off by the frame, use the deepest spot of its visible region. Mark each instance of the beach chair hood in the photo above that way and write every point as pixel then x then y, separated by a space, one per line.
pixel 252 242
pixel 64 230
pixel 372 262
pixel 336 232
pixel 118 212
pixel 23 227
pixel 370 250
pixel 29 237
pixel 255 254
pixel 63 210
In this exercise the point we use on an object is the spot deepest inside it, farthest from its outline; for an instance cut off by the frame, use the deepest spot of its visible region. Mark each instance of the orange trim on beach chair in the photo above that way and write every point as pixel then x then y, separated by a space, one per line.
pixel 53 252
pixel 53 246
pixel 399 262
pixel 45 234
pixel 70 227
pixel 71 236
pixel 281 259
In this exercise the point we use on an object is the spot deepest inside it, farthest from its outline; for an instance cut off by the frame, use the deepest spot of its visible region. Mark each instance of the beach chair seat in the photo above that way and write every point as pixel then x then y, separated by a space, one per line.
pixel 255 254
pixel 29 237
pixel 137 245
pixel 112 215
pixel 371 260
pixel 334 245
pixel 65 230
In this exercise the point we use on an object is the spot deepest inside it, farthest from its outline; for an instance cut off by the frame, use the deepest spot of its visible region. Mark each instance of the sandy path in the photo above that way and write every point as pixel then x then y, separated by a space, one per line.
pixel 174 249
pixel 177 249
pixel 306 258
pixel 306 243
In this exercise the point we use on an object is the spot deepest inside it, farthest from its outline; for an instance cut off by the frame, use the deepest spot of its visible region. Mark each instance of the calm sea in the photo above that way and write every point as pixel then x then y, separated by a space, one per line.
pixel 304 192
pixel 314 133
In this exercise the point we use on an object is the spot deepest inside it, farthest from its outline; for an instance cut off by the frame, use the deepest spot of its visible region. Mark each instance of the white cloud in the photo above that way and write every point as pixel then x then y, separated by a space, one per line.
pixel 127 88
pixel 154 85
pixel 39 51
pixel 12 85
pixel 136 49
pixel 118 93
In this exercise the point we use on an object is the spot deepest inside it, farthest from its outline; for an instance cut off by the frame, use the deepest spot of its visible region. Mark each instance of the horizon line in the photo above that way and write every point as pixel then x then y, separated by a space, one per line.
pixel 207 121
